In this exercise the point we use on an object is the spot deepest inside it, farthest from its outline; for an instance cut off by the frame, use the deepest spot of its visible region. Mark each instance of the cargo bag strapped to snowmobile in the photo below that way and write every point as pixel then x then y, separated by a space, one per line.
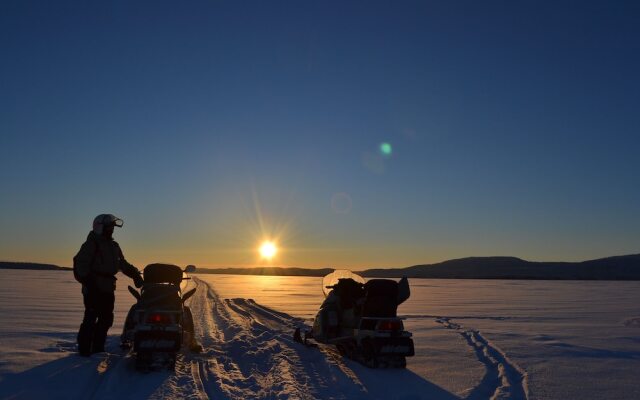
pixel 163 273
pixel 381 332
pixel 381 298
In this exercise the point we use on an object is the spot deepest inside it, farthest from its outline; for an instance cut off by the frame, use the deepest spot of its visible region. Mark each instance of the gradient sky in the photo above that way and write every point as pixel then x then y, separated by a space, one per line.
pixel 210 125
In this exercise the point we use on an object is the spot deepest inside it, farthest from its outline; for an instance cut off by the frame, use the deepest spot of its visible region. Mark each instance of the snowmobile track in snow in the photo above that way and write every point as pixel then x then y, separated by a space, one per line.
pixel 249 352
pixel 504 379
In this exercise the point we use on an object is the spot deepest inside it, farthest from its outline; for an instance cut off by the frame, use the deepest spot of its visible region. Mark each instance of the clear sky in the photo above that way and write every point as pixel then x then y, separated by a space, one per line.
pixel 510 128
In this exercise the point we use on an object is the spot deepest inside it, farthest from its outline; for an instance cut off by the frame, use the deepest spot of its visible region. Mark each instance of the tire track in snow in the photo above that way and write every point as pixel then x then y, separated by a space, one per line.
pixel 283 318
pixel 277 321
pixel 195 373
pixel 118 379
pixel 208 319
pixel 504 378
pixel 249 352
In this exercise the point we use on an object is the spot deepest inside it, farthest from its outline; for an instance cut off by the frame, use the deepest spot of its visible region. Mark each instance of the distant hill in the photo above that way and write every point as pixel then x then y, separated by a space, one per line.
pixel 28 265
pixel 611 268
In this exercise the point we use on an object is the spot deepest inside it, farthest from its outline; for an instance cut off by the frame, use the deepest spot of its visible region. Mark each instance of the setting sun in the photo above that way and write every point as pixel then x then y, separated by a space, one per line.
pixel 268 250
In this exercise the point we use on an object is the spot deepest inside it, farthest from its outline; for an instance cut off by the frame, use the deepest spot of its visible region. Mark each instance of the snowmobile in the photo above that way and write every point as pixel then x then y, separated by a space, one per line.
pixel 159 323
pixel 360 319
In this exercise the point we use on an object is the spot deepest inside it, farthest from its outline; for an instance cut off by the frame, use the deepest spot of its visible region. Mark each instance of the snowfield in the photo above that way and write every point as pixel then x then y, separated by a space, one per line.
pixel 474 340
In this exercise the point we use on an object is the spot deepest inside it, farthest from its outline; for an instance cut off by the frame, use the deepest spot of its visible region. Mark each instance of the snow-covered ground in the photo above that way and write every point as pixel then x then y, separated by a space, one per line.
pixel 474 340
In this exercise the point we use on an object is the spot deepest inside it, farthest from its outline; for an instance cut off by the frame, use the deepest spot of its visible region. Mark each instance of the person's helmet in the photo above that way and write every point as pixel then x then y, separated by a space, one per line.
pixel 107 220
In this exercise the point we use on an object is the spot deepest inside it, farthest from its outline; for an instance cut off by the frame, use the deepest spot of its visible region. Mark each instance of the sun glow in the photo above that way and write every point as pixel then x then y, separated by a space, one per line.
pixel 268 250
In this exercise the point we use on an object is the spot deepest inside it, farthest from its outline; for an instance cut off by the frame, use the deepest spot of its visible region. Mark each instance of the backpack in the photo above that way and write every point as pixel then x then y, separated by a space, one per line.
pixel 75 263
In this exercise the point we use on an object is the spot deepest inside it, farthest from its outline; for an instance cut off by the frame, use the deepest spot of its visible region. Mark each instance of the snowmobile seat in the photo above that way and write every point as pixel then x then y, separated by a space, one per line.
pixel 163 273
pixel 381 298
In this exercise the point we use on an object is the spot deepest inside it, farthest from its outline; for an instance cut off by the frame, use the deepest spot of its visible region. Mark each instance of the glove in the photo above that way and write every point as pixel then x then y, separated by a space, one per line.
pixel 138 281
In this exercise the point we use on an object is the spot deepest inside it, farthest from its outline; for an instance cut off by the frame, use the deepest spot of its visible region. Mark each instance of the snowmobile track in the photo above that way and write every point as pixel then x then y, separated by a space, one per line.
pixel 504 378
pixel 249 352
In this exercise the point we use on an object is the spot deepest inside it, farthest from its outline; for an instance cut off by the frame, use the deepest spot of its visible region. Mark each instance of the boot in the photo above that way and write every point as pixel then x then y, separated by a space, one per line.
pixel 99 339
pixel 105 320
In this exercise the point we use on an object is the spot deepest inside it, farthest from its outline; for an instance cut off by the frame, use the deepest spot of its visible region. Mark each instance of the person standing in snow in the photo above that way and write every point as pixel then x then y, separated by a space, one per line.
pixel 95 266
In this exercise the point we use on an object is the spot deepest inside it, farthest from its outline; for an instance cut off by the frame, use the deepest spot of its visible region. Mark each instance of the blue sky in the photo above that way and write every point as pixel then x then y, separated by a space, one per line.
pixel 209 126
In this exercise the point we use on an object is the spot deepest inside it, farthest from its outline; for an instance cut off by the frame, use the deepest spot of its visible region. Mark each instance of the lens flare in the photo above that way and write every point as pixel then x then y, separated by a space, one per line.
pixel 385 149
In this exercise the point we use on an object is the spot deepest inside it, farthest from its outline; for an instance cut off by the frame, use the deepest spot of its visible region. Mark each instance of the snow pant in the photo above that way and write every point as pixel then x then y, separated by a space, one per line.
pixel 98 318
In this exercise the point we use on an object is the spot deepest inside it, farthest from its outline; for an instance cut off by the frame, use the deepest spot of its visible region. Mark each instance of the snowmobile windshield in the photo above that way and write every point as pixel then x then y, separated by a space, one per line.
pixel 333 278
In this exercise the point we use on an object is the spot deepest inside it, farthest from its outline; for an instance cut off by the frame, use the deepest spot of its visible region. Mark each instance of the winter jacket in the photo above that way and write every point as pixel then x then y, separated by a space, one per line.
pixel 97 266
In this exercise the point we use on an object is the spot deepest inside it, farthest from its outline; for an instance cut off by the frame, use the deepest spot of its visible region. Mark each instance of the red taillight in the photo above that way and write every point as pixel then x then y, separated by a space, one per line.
pixel 159 319
pixel 395 325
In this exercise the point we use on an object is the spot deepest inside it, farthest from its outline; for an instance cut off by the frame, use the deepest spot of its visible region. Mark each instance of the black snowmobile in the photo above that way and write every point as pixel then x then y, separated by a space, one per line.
pixel 159 323
pixel 360 319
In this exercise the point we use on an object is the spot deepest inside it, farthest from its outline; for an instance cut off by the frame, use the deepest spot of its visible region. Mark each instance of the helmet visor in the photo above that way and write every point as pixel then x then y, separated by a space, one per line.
pixel 112 220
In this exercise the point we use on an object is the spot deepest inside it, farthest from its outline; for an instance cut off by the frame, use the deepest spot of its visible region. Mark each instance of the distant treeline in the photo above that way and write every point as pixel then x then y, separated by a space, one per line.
pixel 273 271
pixel 28 265
pixel 611 268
